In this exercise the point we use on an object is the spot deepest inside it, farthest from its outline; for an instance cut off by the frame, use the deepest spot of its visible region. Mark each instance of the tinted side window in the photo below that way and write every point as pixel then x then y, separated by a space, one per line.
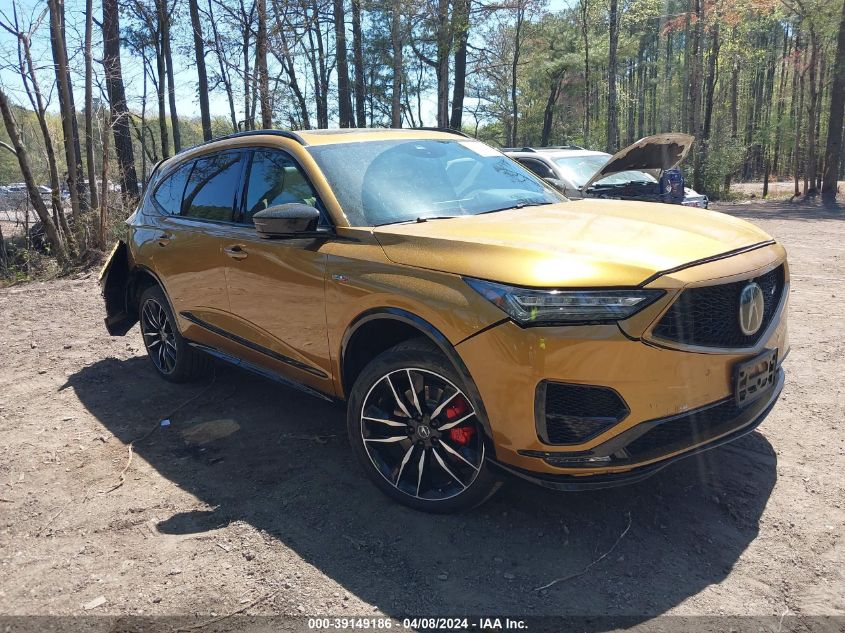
pixel 537 167
pixel 212 187
pixel 274 178
pixel 168 195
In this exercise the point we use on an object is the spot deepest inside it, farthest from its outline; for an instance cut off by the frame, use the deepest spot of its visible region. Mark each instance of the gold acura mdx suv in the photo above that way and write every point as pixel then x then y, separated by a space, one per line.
pixel 474 321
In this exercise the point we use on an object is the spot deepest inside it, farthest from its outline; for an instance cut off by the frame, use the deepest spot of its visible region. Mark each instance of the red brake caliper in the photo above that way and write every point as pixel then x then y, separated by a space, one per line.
pixel 460 434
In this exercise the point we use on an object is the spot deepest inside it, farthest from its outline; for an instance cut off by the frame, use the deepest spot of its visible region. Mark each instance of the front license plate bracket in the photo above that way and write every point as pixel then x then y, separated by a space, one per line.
pixel 754 378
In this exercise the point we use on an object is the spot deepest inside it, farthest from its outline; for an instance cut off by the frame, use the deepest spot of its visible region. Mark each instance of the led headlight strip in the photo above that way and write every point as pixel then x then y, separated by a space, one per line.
pixel 531 306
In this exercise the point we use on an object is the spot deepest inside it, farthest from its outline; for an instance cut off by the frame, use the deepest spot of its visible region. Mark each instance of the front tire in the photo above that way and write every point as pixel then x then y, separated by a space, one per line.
pixel 169 353
pixel 417 433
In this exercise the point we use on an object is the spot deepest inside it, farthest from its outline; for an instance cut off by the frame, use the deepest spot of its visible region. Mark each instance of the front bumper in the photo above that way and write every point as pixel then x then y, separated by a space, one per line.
pixel 656 381
pixel 718 433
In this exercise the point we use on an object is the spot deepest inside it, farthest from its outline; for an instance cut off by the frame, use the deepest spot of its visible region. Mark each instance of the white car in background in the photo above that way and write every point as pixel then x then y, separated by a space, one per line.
pixel 646 170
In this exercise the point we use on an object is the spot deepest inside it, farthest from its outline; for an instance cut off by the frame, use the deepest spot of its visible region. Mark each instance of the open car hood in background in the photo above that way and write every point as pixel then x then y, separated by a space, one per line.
pixel 652 154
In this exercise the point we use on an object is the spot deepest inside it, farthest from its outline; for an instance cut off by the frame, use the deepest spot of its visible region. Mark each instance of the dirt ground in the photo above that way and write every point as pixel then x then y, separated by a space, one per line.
pixel 251 493
pixel 777 188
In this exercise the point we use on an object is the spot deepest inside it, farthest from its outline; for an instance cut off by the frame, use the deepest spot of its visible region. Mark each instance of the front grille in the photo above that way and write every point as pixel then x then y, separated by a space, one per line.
pixel 571 414
pixel 709 315
pixel 684 431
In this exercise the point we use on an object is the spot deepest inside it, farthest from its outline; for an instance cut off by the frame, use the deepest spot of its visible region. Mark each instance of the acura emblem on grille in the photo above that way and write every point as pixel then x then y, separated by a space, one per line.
pixel 751 307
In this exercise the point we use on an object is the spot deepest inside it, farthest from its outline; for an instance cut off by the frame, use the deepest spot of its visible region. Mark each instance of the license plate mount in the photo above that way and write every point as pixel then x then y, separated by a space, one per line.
pixel 755 377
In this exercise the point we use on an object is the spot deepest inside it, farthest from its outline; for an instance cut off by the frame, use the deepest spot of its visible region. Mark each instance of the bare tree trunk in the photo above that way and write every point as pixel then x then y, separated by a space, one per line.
pixel 344 96
pixel 799 113
pixel 73 153
pixel 549 112
pixel 160 85
pixel 224 74
pixel 89 106
pixel 612 123
pixel 833 148
pixel 318 65
pixel 460 26
pixel 408 111
pixel 261 67
pixel 586 39
pixel 667 94
pixel 245 46
pixel 164 21
pixel 695 95
pixel 710 83
pixel 734 112
pixel 117 99
pixel 358 58
pixel 821 83
pixel 286 60
pixel 709 90
pixel 396 45
pixel 811 168
pixel 105 181
pixel 142 137
pixel 444 42
pixel 520 19
pixel 34 194
pixel 202 75
pixel 781 100
pixel 640 90
pixel 29 78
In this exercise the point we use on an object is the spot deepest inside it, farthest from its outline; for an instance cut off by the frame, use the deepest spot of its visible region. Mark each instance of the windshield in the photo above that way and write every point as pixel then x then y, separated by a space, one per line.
pixel 384 182
pixel 579 169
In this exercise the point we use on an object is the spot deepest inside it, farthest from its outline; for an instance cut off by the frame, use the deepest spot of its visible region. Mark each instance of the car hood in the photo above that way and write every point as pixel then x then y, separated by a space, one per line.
pixel 652 154
pixel 570 244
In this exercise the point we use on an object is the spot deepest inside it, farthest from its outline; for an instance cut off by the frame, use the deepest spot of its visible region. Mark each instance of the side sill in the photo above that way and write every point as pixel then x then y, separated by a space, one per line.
pixel 257 348
pixel 266 373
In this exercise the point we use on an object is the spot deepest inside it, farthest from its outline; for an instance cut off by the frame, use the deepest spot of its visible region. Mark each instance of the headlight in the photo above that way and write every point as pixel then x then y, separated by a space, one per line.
pixel 529 306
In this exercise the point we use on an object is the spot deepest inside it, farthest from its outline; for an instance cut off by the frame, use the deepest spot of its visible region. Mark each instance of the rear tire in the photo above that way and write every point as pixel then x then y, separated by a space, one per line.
pixel 416 432
pixel 171 356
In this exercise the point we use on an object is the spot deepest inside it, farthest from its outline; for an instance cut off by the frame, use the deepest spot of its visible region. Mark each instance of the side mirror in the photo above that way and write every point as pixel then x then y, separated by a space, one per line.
pixel 286 220
pixel 557 184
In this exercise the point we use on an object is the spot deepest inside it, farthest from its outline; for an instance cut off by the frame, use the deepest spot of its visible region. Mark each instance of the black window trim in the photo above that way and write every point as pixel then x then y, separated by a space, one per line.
pixel 236 202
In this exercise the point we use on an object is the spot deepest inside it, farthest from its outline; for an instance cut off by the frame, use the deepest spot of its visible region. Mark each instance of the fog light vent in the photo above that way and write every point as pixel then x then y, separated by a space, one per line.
pixel 572 414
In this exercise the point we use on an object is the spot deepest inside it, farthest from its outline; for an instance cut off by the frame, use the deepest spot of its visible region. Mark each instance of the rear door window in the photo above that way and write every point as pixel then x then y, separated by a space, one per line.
pixel 212 187
pixel 168 194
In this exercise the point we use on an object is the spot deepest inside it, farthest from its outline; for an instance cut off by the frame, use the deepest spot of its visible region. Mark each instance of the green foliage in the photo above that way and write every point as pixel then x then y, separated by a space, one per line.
pixel 723 159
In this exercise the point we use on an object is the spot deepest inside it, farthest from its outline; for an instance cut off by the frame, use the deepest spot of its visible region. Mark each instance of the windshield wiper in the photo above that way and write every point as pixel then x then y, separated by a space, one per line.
pixel 422 218
pixel 518 205
pixel 426 218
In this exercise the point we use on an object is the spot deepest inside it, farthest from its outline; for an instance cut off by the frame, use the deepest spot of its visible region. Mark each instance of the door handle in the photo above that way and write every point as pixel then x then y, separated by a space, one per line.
pixel 164 239
pixel 235 252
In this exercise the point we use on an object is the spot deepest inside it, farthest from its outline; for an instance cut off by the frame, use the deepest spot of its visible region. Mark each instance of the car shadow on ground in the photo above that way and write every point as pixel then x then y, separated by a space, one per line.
pixel 266 455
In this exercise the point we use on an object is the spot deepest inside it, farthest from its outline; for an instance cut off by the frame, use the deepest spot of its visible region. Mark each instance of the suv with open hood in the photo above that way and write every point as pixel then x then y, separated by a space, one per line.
pixel 474 321
pixel 647 170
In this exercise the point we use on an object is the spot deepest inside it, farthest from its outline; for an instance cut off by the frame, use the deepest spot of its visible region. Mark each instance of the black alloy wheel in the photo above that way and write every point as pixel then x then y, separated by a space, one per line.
pixel 417 432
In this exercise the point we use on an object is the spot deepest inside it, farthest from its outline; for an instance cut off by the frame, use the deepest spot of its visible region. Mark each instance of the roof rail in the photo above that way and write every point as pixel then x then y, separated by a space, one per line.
pixel 284 133
pixel 536 149
pixel 448 130
pixel 563 147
